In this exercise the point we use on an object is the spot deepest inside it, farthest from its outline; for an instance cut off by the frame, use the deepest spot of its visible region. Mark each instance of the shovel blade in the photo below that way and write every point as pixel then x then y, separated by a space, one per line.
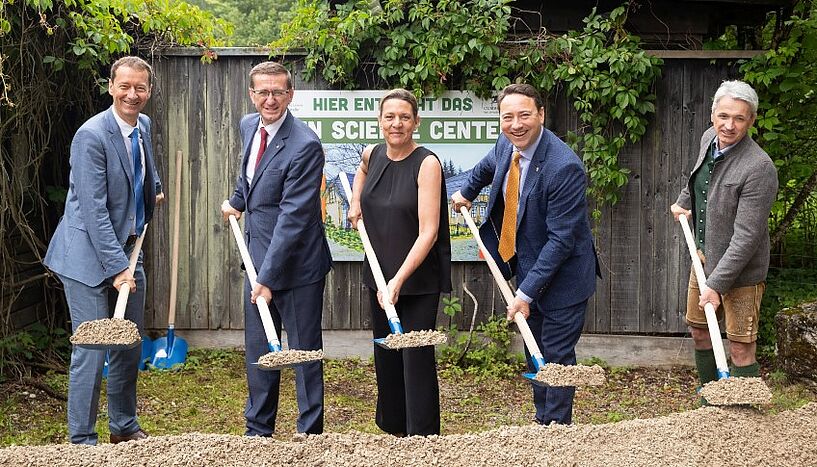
pixel 276 367
pixel 531 377
pixel 147 353
pixel 164 357
pixel 109 346
pixel 382 343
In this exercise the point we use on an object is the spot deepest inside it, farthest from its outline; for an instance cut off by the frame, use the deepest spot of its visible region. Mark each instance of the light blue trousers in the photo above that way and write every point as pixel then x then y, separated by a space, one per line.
pixel 85 375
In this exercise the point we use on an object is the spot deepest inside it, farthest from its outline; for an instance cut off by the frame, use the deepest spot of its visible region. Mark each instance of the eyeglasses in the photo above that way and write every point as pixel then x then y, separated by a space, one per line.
pixel 265 93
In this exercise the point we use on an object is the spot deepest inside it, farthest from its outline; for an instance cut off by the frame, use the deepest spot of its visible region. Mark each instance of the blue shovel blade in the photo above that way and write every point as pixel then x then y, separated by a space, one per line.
pixel 381 341
pixel 165 358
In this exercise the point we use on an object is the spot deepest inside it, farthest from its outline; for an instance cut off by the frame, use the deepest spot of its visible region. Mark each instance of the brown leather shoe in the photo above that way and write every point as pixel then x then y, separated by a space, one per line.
pixel 135 436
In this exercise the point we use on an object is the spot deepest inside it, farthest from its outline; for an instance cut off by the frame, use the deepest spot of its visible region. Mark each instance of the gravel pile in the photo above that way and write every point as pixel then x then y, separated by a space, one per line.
pixel 414 339
pixel 288 357
pixel 554 374
pixel 113 332
pixel 707 436
pixel 732 391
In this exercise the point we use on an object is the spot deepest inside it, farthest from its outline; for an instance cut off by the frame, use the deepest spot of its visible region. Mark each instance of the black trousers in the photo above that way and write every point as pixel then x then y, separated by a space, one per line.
pixel 408 395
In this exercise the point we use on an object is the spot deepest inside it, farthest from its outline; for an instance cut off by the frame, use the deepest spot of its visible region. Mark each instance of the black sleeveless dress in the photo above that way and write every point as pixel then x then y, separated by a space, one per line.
pixel 389 206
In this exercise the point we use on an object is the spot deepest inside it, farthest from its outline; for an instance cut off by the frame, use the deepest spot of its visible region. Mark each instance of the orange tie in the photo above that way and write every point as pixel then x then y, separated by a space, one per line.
pixel 507 238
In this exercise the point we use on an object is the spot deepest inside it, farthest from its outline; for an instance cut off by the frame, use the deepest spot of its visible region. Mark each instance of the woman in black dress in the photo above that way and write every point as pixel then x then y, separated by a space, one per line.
pixel 399 190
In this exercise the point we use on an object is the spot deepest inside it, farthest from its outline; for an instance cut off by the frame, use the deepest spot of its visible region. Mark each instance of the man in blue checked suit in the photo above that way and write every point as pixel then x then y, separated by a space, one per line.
pixel 113 189
pixel 538 229
pixel 278 187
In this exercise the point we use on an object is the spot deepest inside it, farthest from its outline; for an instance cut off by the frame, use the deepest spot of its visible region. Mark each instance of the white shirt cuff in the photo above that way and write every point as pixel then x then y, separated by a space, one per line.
pixel 521 295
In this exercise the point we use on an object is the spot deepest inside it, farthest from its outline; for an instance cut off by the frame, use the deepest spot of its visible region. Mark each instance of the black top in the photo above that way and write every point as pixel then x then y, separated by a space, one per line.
pixel 389 206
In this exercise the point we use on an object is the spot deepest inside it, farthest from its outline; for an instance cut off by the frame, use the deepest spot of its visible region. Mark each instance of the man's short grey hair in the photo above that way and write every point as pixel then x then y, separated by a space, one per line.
pixel 736 90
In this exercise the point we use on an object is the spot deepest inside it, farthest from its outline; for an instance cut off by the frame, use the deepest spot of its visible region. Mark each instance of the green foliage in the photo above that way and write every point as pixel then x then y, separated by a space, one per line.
pixel 432 46
pixel 487 354
pixel 255 23
pixel 784 288
pixel 344 237
pixel 31 344
pixel 451 306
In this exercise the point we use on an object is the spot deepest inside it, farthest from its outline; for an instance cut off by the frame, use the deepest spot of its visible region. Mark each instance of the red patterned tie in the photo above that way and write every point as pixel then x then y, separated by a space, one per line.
pixel 262 147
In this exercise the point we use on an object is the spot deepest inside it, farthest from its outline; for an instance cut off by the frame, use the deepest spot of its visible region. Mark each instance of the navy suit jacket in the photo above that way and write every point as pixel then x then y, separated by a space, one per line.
pixel 283 225
pixel 555 260
pixel 100 208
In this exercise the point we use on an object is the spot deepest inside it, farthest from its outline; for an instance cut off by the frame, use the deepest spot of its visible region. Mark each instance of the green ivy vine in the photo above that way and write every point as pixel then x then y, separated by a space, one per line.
pixel 430 46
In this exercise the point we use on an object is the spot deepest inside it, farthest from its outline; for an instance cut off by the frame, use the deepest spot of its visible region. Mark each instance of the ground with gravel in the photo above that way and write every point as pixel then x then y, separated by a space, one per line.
pixel 706 436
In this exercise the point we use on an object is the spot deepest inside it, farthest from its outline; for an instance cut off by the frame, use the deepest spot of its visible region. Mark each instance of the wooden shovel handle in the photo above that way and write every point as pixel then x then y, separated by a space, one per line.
pixel 507 294
pixel 377 272
pixel 124 289
pixel 174 259
pixel 709 310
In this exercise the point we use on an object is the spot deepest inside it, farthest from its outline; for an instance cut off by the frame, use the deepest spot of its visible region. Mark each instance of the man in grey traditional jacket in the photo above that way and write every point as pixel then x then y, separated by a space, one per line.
pixel 728 200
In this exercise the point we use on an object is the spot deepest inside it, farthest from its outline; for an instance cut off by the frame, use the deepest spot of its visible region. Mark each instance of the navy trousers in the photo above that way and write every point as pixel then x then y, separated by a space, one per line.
pixel 300 309
pixel 558 332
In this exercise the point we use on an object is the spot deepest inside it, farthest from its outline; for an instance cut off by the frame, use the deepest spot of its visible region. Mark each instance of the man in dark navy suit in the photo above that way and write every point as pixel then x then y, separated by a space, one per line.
pixel 538 229
pixel 279 189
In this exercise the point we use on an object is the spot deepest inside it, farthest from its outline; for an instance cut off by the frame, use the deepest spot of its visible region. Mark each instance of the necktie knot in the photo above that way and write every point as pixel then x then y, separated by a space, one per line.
pixel 135 133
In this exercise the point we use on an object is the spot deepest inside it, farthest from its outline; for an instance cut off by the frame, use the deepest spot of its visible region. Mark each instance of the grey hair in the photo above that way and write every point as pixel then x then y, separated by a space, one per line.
pixel 736 90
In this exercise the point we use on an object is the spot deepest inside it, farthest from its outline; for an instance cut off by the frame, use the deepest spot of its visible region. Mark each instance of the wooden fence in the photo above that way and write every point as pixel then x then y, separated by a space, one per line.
pixel 196 108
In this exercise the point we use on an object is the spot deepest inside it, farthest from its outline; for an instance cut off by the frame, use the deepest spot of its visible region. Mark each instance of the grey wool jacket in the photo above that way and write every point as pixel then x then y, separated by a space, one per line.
pixel 741 192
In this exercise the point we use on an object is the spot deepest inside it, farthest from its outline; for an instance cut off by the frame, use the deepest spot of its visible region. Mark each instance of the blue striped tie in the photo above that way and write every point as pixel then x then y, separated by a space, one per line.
pixel 138 184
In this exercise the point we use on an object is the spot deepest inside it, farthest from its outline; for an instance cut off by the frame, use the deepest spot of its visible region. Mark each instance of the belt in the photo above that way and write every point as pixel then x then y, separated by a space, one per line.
pixel 131 241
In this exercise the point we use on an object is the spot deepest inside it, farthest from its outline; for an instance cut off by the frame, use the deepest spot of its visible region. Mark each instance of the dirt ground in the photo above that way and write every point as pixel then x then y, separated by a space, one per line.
pixel 706 436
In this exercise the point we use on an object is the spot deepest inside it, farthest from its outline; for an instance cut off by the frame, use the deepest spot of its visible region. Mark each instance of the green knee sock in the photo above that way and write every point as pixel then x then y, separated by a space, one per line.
pixel 747 371
pixel 705 362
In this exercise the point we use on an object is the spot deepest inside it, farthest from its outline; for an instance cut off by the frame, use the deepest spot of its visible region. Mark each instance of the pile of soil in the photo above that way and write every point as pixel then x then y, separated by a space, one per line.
pixel 554 374
pixel 289 357
pixel 107 332
pixel 415 339
pixel 707 436
pixel 730 391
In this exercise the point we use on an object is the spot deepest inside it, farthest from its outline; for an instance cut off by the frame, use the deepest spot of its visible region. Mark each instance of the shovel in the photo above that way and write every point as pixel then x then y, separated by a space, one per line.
pixel 392 341
pixel 123 334
pixel 171 350
pixel 277 358
pixel 585 376
pixel 753 385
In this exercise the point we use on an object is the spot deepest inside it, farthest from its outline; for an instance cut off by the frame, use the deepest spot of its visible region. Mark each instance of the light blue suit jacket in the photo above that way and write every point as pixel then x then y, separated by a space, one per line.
pixel 555 260
pixel 282 206
pixel 100 208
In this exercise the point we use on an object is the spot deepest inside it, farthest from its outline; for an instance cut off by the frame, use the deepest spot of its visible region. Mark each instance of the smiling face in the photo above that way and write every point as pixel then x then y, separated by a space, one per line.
pixel 731 118
pixel 130 89
pixel 397 120
pixel 271 107
pixel 521 121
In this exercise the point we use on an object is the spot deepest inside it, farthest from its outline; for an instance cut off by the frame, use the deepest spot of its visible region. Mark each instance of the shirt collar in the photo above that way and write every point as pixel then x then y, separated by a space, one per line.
pixel 124 127
pixel 531 150
pixel 717 153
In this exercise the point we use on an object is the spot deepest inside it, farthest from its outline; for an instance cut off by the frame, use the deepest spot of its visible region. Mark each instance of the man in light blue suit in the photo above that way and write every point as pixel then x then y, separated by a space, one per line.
pixel 113 189
pixel 279 189
pixel 550 246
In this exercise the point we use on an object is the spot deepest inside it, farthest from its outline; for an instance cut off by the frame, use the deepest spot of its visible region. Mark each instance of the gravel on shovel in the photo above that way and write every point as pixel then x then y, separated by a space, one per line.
pixel 554 374
pixel 737 391
pixel 106 332
pixel 288 357
pixel 706 436
pixel 414 339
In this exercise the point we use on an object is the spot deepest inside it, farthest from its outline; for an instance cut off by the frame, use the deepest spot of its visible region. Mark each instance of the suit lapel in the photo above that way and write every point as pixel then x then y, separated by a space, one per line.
pixel 532 176
pixel 119 145
pixel 502 164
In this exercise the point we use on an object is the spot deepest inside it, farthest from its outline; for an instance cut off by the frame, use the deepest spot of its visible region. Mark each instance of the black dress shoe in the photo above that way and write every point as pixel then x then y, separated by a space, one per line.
pixel 135 436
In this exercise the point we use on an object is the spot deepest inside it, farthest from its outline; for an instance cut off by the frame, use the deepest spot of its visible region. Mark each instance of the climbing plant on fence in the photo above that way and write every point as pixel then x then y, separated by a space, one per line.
pixel 430 46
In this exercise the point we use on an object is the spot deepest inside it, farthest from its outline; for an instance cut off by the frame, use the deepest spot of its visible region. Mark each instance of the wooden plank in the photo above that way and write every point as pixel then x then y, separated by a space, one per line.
pixel 356 318
pixel 237 101
pixel 339 316
pixel 650 215
pixel 200 212
pixel 157 244
pixel 217 121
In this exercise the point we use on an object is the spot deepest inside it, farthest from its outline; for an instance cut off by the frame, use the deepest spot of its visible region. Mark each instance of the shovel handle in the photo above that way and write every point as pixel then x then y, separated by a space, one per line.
pixel 124 289
pixel 263 307
pixel 377 272
pixel 507 294
pixel 709 310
